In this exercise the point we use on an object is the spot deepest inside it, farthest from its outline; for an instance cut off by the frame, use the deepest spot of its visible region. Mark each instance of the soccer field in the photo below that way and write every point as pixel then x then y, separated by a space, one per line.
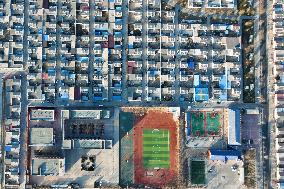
pixel 156 148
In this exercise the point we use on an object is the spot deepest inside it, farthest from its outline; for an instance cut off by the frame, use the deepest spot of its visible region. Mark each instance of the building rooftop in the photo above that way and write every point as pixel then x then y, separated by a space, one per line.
pixel 41 136
pixel 38 114
pixel 234 121
pixel 45 166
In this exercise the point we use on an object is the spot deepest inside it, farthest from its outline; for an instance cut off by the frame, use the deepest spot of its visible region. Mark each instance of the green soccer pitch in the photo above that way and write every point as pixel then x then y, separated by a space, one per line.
pixel 156 148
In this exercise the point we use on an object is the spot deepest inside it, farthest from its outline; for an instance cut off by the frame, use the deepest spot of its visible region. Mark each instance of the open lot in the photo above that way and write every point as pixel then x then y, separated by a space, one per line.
pixel 221 175
pixel 250 130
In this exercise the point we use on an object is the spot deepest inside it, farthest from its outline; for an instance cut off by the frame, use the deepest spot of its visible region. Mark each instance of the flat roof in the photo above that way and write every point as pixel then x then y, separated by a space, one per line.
pixel 39 114
pixel 47 166
pixel 252 111
pixel 89 144
pixel 41 136
pixel 94 114
pixel 234 121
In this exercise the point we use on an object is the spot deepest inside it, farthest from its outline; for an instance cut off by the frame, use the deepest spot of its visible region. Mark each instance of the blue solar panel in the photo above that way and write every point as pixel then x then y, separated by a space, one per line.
pixel 117 98
pixel 190 65
pixel 98 98
pixel 201 94
pixel 223 82
pixel 8 148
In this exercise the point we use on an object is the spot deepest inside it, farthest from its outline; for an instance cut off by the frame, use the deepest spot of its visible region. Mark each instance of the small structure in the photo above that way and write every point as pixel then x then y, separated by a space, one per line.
pixel 42 115
pixel 224 155
pixel 93 114
pixel 41 137
pixel 48 166
pixel 252 111
pixel 89 144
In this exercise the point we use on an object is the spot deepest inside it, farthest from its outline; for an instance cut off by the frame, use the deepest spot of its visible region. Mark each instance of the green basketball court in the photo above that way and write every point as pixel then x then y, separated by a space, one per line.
pixel 156 148
pixel 212 125
pixel 197 123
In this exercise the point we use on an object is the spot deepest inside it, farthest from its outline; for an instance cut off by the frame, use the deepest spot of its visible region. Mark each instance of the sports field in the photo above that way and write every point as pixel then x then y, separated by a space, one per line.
pixel 197 123
pixel 212 125
pixel 156 148
pixel 205 123
pixel 126 122
pixel 156 155
pixel 197 172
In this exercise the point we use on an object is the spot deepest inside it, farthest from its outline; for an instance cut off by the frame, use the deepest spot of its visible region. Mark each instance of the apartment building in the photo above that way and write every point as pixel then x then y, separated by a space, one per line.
pixel 212 4
pixel 75 53
pixel 11 33
pixel 12 132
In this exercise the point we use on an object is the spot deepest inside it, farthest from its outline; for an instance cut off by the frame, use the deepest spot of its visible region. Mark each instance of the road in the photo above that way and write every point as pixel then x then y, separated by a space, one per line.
pixel 259 51
pixel 177 59
pixel 124 51
pixel 23 135
pixel 270 151
pixel 58 52
pixel 2 131
pixel 144 51
pixel 91 51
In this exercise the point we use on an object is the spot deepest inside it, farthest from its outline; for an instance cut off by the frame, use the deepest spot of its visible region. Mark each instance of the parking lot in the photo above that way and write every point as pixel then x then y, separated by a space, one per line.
pixel 223 176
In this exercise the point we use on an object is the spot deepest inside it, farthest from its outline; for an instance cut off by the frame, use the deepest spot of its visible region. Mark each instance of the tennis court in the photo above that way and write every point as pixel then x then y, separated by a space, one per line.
pixel 197 172
pixel 197 123
pixel 213 124
pixel 156 148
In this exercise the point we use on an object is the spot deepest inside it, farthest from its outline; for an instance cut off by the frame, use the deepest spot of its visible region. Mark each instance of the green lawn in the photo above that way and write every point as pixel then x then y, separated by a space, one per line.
pixel 156 148
pixel 197 124
pixel 212 125
pixel 197 172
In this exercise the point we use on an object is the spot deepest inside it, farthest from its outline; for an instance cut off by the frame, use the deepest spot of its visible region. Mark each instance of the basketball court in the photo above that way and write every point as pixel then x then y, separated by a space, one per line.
pixel 206 123
pixel 213 123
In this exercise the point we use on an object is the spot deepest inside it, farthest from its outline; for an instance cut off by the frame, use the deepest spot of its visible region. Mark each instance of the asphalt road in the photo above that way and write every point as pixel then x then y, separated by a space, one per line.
pixel 270 148
pixel 23 135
